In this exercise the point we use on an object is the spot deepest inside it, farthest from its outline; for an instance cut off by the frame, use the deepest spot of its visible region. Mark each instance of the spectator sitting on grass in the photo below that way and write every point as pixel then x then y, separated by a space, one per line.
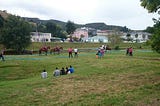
pixel 56 72
pixel 44 74
pixel 67 71
pixel 63 71
pixel 71 69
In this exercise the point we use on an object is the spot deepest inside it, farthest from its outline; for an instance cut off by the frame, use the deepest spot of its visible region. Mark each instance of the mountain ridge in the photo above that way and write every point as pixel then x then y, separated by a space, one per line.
pixel 95 25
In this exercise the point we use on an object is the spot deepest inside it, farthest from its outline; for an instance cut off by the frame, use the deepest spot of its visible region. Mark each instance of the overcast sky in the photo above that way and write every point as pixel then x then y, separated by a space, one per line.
pixel 112 12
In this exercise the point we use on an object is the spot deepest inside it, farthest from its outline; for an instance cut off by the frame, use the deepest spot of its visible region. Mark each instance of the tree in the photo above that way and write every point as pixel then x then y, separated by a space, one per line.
pixel 15 34
pixel 63 35
pixel 124 29
pixel 51 28
pixel 115 39
pixel 41 28
pixel 149 29
pixel 155 40
pixel 55 30
pixel 1 21
pixel 153 6
pixel 128 37
pixel 70 27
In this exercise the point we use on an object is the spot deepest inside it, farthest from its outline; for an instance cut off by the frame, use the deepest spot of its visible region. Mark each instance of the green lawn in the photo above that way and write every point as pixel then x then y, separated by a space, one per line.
pixel 116 79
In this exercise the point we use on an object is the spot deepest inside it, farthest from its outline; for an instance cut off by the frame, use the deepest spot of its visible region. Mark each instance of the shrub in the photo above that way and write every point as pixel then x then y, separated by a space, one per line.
pixel 116 48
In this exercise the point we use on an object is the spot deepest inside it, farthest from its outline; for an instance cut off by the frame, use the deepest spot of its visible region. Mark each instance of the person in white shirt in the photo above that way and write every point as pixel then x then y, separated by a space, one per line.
pixel 56 72
pixel 75 52
pixel 44 74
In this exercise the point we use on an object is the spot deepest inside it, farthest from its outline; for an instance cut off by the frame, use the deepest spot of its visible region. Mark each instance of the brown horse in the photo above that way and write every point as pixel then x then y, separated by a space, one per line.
pixel 56 49
pixel 44 49
pixel 108 48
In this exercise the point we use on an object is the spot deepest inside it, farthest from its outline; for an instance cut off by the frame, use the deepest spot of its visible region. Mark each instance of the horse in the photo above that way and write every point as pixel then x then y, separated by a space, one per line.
pixel 107 48
pixel 56 49
pixel 44 49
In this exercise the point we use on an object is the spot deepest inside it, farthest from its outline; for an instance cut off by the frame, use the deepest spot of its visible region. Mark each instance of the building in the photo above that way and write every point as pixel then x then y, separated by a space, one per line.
pixel 96 39
pixel 92 32
pixel 56 39
pixel 80 33
pixel 40 37
pixel 108 32
pixel 137 36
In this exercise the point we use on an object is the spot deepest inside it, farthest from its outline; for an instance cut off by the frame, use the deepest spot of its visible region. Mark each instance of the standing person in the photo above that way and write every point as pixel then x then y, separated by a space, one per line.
pixel 130 51
pixel 70 52
pixel 71 69
pixel 99 54
pixel 1 54
pixel 63 71
pixel 127 51
pixel 44 74
pixel 75 52
pixel 102 52
pixel 56 72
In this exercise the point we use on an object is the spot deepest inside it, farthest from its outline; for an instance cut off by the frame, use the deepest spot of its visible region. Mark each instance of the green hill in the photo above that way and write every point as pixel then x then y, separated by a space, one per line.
pixel 98 26
pixel 103 26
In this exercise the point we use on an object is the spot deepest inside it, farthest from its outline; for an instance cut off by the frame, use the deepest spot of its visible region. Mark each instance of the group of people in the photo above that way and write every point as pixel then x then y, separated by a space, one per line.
pixel 57 72
pixel 129 51
pixel 71 50
pixel 100 52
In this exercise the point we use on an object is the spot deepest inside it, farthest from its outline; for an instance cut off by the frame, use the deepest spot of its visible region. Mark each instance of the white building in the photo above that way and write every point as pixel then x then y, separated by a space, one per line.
pixel 40 37
pixel 96 39
pixel 139 37
pixel 108 32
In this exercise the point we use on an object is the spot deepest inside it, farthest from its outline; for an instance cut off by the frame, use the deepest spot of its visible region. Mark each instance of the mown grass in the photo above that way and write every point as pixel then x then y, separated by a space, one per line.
pixel 116 79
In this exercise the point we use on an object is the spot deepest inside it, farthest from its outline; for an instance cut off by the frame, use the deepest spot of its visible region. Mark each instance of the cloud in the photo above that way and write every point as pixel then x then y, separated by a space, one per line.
pixel 114 12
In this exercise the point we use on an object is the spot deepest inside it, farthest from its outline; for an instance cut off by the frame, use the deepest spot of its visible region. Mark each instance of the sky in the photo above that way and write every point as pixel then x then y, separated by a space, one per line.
pixel 127 13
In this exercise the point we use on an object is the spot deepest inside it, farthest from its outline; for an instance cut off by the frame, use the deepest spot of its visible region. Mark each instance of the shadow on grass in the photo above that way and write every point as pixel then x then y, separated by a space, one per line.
pixel 5 66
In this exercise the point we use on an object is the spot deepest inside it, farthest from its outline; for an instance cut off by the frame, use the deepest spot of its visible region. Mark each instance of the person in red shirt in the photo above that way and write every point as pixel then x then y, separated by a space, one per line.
pixel 130 51
pixel 70 52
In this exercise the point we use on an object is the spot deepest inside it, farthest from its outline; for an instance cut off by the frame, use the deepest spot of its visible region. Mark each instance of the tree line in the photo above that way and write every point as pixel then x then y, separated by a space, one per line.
pixel 153 6
pixel 15 31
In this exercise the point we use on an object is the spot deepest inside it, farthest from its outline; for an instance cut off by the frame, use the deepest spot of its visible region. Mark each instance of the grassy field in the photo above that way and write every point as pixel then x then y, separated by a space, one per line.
pixel 116 79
